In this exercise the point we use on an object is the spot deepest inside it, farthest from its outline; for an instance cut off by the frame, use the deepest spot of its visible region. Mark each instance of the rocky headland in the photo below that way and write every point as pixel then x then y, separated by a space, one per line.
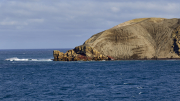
pixel 143 38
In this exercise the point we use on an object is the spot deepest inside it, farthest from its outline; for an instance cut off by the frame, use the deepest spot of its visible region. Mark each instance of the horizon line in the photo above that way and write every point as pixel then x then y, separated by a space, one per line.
pixel 34 48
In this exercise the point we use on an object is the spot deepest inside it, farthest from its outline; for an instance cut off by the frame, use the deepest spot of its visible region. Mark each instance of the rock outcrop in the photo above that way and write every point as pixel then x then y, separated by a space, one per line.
pixel 83 53
pixel 144 38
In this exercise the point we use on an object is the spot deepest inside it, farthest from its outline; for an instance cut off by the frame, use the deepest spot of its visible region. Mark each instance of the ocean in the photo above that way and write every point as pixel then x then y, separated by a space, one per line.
pixel 31 75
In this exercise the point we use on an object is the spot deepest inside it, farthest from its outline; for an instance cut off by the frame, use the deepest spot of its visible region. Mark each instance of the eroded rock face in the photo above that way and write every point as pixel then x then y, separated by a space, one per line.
pixel 80 53
pixel 143 38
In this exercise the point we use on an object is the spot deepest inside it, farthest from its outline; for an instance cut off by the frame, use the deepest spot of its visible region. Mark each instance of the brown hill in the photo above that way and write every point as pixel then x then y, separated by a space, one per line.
pixel 143 38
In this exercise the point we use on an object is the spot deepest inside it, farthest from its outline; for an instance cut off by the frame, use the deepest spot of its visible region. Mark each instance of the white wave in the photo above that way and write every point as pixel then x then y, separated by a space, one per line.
pixel 139 87
pixel 17 59
pixel 140 93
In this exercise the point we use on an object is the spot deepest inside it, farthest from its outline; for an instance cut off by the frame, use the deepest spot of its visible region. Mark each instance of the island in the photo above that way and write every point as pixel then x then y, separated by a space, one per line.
pixel 137 39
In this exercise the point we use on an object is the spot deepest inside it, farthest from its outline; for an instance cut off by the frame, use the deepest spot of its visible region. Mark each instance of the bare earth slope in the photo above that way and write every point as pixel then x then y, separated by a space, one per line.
pixel 143 38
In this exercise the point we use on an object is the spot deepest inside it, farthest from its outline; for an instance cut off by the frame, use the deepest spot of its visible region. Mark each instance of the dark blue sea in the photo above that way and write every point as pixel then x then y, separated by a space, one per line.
pixel 31 75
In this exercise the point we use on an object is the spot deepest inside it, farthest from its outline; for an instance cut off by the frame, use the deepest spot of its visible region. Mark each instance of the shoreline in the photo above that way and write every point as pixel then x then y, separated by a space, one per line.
pixel 133 59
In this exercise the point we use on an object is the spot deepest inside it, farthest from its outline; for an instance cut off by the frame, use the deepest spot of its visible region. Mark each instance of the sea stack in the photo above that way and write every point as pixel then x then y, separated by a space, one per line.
pixel 143 38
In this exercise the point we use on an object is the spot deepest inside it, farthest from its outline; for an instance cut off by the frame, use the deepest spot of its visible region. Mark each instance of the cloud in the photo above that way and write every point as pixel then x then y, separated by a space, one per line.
pixel 80 19
pixel 36 20
pixel 8 22
pixel 84 14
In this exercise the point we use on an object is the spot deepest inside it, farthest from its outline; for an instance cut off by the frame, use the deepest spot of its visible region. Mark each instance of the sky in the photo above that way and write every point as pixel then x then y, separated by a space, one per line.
pixel 54 24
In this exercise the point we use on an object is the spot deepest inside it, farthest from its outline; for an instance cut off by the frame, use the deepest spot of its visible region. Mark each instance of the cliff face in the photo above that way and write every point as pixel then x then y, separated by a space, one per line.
pixel 143 38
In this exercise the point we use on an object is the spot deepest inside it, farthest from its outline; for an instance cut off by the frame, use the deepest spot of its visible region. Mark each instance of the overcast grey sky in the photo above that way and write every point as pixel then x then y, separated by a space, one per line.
pixel 36 24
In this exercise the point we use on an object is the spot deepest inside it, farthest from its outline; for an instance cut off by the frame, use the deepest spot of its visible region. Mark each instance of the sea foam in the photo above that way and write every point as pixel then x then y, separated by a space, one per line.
pixel 17 59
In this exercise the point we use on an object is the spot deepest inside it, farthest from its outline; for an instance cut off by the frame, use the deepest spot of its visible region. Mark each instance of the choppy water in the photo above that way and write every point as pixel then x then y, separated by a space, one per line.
pixel 30 75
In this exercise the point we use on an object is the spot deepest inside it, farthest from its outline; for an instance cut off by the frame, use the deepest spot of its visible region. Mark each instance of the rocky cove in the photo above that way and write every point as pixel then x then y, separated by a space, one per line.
pixel 137 39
